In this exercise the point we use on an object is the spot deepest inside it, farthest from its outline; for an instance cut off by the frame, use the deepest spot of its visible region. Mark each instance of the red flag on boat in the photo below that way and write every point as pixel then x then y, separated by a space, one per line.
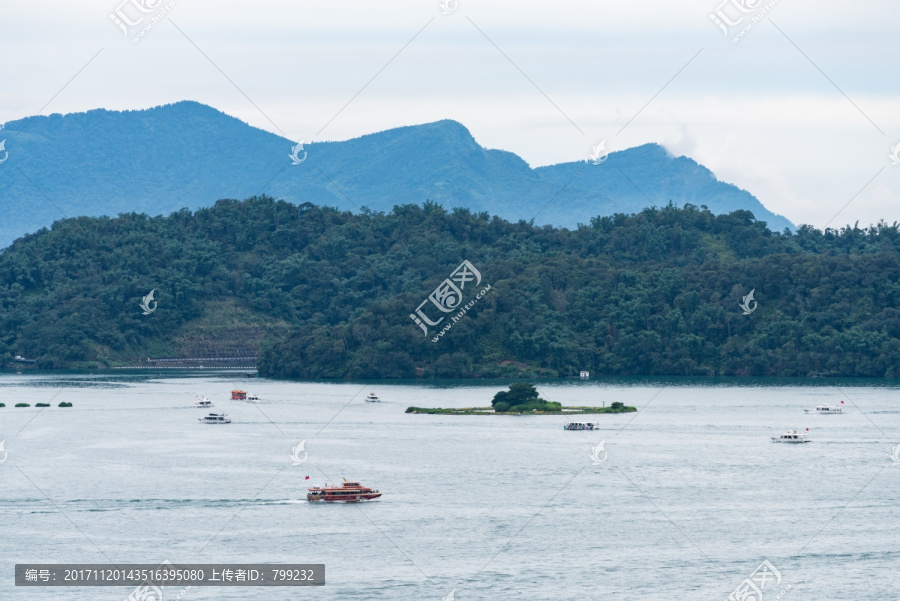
pixel 807 429
pixel 842 402
pixel 307 478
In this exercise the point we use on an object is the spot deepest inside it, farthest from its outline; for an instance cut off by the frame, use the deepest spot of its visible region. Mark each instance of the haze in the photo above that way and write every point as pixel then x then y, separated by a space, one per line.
pixel 803 111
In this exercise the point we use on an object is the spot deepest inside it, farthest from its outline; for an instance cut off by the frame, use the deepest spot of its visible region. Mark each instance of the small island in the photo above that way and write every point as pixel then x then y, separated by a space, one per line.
pixel 523 399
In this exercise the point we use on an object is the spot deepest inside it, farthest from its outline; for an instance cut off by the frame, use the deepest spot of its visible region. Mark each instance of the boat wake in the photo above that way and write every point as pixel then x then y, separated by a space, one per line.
pixel 105 505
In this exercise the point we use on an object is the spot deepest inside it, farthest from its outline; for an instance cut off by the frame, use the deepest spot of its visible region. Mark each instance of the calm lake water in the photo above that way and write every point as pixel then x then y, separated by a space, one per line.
pixel 691 498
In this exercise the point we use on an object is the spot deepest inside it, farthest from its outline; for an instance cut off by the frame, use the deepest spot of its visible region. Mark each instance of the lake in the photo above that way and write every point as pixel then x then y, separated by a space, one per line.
pixel 687 500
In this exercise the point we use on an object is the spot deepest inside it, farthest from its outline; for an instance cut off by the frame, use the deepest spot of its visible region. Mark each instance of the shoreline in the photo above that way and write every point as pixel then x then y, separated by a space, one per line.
pixel 490 411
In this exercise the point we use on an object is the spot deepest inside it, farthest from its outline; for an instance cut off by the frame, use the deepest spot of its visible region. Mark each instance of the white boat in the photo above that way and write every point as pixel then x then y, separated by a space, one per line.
pixel 216 418
pixel 791 436
pixel 202 402
pixel 372 398
pixel 579 426
pixel 826 409
pixel 252 398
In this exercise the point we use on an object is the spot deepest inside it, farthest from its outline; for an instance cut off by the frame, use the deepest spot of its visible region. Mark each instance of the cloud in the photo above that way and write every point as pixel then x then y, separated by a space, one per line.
pixel 758 113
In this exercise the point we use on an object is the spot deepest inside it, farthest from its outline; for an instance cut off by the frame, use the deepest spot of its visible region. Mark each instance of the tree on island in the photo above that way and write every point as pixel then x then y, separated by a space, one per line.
pixel 520 398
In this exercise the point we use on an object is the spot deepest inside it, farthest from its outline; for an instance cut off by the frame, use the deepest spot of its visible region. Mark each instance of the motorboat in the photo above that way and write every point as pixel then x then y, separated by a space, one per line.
pixel 252 398
pixel 201 402
pixel 792 436
pixel 579 426
pixel 216 418
pixel 827 409
pixel 238 395
pixel 349 492
pixel 372 398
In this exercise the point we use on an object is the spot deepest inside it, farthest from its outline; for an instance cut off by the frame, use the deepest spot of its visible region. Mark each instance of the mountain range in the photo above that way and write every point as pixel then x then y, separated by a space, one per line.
pixel 188 155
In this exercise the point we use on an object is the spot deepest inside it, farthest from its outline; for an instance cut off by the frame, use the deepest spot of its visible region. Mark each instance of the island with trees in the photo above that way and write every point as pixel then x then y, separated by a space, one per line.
pixel 521 399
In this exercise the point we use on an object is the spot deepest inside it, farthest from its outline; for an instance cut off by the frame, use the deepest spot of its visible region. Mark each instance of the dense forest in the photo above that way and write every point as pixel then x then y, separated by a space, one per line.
pixel 321 293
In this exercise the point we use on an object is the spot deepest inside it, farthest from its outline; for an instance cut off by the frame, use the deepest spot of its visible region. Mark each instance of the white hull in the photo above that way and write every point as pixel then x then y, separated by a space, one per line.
pixel 214 418
pixel 791 437
pixel 203 403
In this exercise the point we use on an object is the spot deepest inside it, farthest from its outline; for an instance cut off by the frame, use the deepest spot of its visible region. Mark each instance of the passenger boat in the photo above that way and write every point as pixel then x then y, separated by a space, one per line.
pixel 349 492
pixel 579 426
pixel 792 436
pixel 238 395
pixel 202 402
pixel 252 398
pixel 827 409
pixel 372 398
pixel 216 418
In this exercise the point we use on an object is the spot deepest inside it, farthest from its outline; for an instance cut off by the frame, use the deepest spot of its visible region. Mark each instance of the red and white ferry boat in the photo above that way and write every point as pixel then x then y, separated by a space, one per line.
pixel 350 492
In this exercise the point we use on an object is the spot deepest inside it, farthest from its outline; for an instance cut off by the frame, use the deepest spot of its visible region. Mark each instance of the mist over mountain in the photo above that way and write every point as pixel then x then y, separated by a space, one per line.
pixel 188 155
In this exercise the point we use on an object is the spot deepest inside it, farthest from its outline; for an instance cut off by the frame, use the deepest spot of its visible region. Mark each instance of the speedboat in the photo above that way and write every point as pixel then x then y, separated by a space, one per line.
pixel 579 426
pixel 252 398
pixel 827 409
pixel 238 395
pixel 791 436
pixel 202 402
pixel 350 492
pixel 216 418
pixel 371 398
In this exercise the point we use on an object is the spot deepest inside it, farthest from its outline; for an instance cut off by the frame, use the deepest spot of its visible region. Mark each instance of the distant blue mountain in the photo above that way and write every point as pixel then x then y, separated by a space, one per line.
pixel 189 155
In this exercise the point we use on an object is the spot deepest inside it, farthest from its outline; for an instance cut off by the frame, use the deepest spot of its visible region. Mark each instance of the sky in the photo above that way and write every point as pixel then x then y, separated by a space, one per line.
pixel 802 109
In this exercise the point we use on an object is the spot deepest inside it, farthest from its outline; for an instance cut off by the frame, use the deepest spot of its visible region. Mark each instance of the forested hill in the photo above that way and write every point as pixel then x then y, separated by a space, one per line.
pixel 187 154
pixel 329 294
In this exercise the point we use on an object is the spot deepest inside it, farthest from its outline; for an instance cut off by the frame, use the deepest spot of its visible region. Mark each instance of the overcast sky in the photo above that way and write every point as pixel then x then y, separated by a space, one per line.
pixel 802 111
